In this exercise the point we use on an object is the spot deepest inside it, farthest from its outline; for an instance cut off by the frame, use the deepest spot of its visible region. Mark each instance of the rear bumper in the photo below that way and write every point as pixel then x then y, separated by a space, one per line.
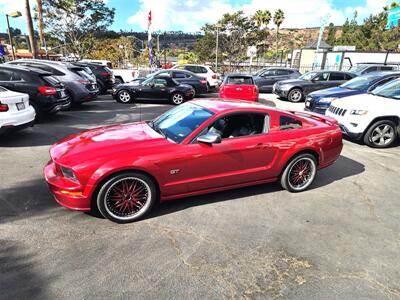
pixel 67 193
pixel 17 120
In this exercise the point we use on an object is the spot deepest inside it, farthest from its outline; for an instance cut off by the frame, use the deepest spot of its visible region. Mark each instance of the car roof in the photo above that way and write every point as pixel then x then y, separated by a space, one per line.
pixel 239 75
pixel 380 74
pixel 25 68
pixel 220 105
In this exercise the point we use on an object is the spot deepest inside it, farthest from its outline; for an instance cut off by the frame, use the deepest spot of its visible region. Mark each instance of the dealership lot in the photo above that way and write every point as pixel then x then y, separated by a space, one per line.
pixel 340 239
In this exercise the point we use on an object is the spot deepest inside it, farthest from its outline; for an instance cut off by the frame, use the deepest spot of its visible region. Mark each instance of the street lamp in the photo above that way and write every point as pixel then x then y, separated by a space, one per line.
pixel 14 14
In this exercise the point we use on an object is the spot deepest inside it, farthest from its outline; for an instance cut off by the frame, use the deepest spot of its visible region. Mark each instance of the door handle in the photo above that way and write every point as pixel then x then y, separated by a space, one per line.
pixel 259 145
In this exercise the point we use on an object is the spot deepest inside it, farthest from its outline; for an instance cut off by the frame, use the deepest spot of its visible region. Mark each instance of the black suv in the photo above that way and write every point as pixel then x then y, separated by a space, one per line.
pixel 104 76
pixel 266 77
pixel 46 94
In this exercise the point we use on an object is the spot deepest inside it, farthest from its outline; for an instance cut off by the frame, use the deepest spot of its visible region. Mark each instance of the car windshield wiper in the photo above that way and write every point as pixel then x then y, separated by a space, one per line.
pixel 159 130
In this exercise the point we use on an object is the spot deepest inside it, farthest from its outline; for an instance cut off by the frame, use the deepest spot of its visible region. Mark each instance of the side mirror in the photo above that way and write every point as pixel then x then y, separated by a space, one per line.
pixel 210 138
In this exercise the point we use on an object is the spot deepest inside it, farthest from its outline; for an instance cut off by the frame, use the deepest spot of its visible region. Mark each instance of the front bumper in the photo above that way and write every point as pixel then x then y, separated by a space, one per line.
pixel 66 192
pixel 278 91
pixel 352 135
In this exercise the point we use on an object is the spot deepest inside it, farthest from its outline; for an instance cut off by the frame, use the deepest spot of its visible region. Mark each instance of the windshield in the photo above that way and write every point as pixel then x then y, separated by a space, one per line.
pixel 389 90
pixel 179 122
pixel 359 83
pixel 259 72
pixel 308 76
pixel 147 81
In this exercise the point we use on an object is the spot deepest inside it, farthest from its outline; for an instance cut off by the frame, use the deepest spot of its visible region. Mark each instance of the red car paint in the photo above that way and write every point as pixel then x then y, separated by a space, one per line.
pixel 96 154
pixel 241 87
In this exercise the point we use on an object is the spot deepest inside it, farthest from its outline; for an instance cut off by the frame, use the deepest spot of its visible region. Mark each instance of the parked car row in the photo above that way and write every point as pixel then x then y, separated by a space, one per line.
pixel 50 86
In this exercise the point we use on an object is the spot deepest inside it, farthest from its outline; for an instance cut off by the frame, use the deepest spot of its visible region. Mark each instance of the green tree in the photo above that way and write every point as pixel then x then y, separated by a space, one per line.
pixel 261 19
pixel 279 17
pixel 331 39
pixel 75 22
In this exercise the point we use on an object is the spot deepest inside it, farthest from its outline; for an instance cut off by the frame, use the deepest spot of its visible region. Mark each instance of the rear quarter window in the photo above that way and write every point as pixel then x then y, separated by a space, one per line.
pixel 287 123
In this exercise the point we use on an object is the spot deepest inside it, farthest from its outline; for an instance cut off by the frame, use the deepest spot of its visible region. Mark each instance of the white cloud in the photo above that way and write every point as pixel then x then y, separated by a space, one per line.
pixel 191 15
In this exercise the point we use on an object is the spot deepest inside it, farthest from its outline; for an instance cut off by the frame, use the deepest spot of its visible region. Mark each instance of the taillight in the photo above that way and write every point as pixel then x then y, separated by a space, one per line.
pixel 214 76
pixel 3 107
pixel 105 74
pixel 255 89
pixel 47 90
pixel 84 81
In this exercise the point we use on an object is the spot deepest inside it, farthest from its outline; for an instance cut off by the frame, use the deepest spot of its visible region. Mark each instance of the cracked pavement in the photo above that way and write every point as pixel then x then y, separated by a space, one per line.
pixel 338 240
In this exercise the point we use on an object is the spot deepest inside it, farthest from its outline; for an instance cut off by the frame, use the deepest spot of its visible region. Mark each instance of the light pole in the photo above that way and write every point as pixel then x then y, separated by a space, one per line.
pixel 14 14
pixel 218 26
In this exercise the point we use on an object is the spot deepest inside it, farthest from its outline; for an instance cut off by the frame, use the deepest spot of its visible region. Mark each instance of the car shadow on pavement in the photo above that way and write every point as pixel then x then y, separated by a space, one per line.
pixel 344 167
pixel 25 200
pixel 18 277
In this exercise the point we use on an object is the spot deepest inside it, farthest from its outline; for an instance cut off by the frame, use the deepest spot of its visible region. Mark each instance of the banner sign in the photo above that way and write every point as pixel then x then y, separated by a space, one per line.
pixel 393 18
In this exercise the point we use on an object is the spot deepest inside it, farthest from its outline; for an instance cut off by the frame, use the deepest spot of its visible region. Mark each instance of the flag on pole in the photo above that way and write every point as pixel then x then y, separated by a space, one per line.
pixel 149 38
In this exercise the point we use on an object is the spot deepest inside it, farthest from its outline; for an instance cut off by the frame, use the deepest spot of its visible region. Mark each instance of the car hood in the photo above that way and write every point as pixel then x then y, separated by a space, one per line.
pixel 336 92
pixel 361 102
pixel 105 143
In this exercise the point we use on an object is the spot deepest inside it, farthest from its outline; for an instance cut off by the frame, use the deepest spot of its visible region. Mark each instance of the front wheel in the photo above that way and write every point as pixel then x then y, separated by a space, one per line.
pixel 177 98
pixel 381 134
pixel 299 173
pixel 126 197
pixel 124 96
pixel 295 95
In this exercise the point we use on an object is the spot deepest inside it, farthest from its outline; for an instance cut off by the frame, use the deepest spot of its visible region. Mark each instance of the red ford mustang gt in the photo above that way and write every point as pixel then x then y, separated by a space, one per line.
pixel 198 147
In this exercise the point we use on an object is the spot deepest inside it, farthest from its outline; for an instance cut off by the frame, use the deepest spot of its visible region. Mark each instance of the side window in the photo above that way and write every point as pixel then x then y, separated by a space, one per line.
pixel 370 69
pixel 348 76
pixel 286 122
pixel 16 76
pixel 201 70
pixel 5 75
pixel 191 69
pixel 178 75
pixel 383 81
pixel 282 72
pixel 386 68
pixel 158 82
pixel 322 76
pixel 269 73
pixel 239 125
pixel 336 76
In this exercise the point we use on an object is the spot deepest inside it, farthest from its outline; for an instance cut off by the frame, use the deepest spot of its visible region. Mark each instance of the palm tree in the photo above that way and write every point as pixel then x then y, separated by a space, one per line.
pixel 32 41
pixel 262 18
pixel 279 16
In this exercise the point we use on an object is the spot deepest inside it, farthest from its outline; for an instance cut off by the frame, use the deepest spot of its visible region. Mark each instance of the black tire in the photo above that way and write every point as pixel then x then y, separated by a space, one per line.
pixel 39 113
pixel 122 206
pixel 102 89
pixel 124 96
pixel 295 95
pixel 381 134
pixel 177 98
pixel 289 177
pixel 118 80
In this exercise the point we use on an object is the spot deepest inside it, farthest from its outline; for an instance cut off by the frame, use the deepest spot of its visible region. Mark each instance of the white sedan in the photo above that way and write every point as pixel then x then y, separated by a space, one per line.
pixel 15 111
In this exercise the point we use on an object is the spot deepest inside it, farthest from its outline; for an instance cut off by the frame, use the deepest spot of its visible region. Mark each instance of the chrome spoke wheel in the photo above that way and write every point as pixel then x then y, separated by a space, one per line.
pixel 124 96
pixel 301 173
pixel 382 135
pixel 295 95
pixel 177 98
pixel 127 197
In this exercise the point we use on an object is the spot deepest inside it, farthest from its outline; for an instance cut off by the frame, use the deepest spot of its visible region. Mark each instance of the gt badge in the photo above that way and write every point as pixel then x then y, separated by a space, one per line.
pixel 174 171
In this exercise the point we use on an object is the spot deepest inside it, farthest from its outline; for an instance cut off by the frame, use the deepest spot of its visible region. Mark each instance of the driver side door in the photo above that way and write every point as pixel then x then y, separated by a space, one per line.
pixel 236 160
pixel 156 89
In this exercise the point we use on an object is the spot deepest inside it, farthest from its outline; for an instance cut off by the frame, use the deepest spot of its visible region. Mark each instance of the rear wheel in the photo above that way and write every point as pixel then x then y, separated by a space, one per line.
pixel 177 98
pixel 299 173
pixel 102 89
pixel 124 96
pixel 381 134
pixel 295 95
pixel 126 197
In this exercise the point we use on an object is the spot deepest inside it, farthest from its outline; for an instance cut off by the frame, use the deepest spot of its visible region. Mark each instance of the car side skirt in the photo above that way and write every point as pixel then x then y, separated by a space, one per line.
pixel 217 189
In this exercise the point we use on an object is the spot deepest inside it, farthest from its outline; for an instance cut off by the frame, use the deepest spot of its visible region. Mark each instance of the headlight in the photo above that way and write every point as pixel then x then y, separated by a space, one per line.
pixel 358 112
pixel 285 87
pixel 327 99
pixel 68 173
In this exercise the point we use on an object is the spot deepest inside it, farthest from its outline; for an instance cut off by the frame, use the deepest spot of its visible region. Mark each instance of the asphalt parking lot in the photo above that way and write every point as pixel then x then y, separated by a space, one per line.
pixel 338 240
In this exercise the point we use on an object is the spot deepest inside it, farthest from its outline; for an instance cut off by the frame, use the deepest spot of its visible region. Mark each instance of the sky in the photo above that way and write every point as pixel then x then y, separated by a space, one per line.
pixel 191 15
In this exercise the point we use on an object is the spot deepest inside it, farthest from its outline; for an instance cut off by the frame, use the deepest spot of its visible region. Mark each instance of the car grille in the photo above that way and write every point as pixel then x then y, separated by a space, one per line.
pixel 337 111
